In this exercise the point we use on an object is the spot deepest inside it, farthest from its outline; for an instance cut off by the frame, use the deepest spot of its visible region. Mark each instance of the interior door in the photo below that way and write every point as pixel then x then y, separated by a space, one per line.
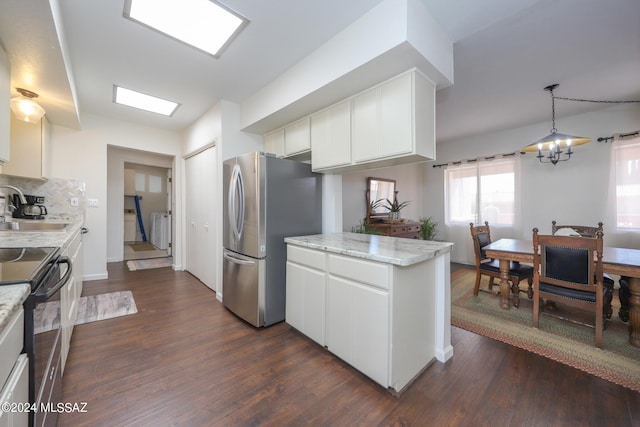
pixel 201 239
pixel 192 209
pixel 169 208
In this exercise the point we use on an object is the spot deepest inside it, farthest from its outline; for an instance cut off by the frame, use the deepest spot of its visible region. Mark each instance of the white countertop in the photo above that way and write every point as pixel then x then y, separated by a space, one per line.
pixel 390 250
pixel 42 239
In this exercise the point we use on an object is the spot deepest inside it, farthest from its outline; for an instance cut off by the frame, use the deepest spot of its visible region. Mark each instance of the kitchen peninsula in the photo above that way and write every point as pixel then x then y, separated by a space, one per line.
pixel 382 304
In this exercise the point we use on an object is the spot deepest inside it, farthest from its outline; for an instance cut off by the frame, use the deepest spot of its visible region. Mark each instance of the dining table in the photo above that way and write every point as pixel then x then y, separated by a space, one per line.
pixel 620 261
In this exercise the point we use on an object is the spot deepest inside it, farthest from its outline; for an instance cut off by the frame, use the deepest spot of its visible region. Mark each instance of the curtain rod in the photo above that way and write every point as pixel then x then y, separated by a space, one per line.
pixel 623 135
pixel 458 162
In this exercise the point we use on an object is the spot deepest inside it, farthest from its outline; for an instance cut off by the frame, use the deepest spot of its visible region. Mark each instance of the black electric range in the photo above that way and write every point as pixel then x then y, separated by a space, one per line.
pixel 25 265
pixel 40 268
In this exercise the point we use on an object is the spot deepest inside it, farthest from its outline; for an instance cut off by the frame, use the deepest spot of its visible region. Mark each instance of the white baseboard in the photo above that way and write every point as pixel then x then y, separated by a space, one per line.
pixel 90 277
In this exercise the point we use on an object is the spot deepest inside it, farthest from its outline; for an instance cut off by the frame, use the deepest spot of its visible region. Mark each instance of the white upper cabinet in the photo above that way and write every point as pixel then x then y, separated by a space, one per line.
pixel 129 182
pixel 297 137
pixel 291 140
pixel 274 143
pixel 30 156
pixel 395 120
pixel 392 123
pixel 331 136
pixel 5 112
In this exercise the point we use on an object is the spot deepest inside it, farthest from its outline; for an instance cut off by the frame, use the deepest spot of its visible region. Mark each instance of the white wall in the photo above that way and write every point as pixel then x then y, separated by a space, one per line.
pixel 570 192
pixel 82 154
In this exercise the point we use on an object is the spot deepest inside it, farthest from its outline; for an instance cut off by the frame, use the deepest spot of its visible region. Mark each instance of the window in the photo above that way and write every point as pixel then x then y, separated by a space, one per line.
pixel 481 191
pixel 627 180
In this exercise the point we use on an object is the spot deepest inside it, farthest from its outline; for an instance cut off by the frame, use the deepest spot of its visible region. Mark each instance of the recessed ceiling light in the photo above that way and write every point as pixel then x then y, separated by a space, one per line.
pixel 139 100
pixel 203 24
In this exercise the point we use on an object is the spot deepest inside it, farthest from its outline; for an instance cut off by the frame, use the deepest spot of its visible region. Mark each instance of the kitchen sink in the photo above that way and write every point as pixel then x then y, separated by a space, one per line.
pixel 33 226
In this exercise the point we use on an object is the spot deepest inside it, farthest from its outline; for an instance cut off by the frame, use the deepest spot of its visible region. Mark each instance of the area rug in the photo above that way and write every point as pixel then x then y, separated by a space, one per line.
pixel 138 247
pixel 145 264
pixel 90 309
pixel 557 339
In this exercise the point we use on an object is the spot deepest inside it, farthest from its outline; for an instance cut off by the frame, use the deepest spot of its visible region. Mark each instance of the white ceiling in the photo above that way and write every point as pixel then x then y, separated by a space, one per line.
pixel 505 53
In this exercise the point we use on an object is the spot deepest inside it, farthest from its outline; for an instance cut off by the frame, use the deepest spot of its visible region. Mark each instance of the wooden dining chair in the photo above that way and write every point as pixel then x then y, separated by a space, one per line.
pixel 565 272
pixel 481 236
pixel 607 281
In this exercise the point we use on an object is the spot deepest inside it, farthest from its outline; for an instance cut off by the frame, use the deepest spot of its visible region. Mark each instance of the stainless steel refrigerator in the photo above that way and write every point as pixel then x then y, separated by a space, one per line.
pixel 265 200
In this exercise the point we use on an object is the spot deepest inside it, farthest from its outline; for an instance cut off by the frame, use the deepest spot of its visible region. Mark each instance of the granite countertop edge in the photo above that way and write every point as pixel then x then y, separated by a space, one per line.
pixel 42 239
pixel 390 250
pixel 11 299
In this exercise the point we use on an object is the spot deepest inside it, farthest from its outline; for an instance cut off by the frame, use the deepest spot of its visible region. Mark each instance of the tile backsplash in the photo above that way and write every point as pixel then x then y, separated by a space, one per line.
pixel 57 193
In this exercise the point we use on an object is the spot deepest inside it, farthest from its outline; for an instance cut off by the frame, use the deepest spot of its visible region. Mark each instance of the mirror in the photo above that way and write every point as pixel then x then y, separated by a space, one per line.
pixel 379 189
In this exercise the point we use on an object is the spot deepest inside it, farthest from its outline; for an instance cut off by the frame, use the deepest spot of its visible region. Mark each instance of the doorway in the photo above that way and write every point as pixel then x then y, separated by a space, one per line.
pixel 147 211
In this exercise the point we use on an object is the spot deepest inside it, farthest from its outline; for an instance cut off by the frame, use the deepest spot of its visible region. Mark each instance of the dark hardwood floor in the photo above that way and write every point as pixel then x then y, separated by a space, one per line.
pixel 184 360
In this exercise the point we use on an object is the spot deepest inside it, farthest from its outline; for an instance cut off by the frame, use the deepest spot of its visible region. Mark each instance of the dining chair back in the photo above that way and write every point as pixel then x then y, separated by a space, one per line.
pixel 581 230
pixel 565 272
pixel 481 237
pixel 607 281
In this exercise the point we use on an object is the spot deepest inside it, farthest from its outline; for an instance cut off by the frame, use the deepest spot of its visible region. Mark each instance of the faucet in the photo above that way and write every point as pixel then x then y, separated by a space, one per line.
pixel 7 203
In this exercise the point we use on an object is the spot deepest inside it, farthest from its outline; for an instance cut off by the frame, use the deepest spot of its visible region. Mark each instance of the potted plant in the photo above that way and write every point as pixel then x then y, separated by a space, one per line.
pixel 428 229
pixel 394 208
pixel 363 228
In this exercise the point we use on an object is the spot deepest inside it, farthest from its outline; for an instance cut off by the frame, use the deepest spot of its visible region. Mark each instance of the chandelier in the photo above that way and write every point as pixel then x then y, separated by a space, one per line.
pixel 552 147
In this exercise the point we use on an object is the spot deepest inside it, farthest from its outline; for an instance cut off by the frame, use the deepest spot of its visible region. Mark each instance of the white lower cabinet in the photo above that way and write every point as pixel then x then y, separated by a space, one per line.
pixel 14 372
pixel 306 292
pixel 378 317
pixel 358 326
pixel 16 393
pixel 70 295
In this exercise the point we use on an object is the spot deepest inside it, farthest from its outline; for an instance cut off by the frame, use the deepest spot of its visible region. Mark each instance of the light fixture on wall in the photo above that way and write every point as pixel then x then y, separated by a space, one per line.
pixel 551 147
pixel 25 108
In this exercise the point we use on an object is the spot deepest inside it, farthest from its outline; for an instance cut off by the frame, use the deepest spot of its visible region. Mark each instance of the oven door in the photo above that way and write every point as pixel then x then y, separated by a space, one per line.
pixel 45 386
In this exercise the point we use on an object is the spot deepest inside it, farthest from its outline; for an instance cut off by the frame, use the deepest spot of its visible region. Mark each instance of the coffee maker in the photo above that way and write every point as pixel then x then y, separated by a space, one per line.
pixel 34 209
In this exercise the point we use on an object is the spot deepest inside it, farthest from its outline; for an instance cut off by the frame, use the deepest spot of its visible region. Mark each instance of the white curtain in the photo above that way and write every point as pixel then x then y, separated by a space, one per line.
pixel 479 191
pixel 622 218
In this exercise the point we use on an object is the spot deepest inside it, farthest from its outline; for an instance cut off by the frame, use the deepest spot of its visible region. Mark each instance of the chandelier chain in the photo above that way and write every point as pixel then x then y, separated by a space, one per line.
pixel 553 112
pixel 592 100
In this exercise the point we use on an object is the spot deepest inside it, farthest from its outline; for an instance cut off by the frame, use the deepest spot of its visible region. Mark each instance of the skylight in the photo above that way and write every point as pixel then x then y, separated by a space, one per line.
pixel 139 100
pixel 203 24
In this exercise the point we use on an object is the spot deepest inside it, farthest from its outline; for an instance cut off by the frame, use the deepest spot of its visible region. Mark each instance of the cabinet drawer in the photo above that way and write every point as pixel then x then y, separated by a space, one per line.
pixel 11 343
pixel 367 272
pixel 306 257
pixel 404 230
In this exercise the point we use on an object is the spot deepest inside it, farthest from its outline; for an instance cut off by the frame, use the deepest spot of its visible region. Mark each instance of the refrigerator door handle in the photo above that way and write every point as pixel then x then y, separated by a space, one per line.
pixel 237 260
pixel 236 202
pixel 240 187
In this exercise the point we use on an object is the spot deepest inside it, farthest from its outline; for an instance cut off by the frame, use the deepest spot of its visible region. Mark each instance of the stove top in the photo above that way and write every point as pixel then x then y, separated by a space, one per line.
pixel 23 265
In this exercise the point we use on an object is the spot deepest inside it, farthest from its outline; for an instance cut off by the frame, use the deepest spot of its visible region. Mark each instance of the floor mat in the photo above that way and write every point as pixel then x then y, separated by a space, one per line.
pixel 142 247
pixel 145 264
pixel 90 309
